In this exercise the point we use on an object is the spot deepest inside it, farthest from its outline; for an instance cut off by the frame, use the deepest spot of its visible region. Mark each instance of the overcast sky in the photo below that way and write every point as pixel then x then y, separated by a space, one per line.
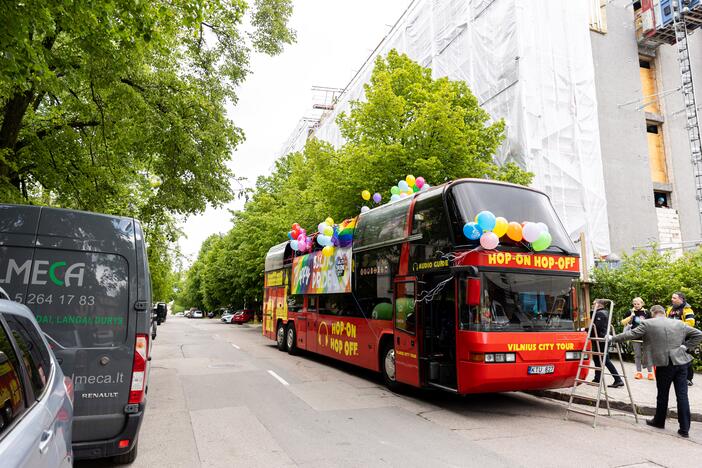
pixel 334 38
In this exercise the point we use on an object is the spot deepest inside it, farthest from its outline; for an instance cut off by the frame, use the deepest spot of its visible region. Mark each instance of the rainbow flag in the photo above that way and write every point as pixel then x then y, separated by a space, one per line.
pixel 346 232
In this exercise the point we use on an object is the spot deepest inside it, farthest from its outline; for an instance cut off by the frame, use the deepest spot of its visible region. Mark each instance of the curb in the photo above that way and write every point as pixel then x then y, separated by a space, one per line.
pixel 643 410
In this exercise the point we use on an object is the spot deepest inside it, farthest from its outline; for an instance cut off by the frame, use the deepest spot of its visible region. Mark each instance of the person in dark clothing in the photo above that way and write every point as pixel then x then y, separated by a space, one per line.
pixel 601 319
pixel 681 310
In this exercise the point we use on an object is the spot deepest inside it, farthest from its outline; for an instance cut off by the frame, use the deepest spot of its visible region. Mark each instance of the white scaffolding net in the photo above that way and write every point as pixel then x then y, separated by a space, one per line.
pixel 530 63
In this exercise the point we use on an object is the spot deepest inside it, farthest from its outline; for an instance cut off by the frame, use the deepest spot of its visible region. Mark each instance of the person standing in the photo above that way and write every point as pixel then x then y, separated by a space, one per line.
pixel 667 342
pixel 681 310
pixel 637 315
pixel 601 319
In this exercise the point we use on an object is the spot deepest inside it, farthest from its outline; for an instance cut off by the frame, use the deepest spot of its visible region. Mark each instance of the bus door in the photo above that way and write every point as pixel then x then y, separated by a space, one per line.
pixel 405 331
pixel 311 323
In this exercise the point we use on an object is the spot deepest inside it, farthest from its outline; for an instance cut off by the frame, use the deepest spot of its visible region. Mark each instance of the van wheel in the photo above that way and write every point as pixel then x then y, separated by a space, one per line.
pixel 291 339
pixel 280 337
pixel 387 367
pixel 127 458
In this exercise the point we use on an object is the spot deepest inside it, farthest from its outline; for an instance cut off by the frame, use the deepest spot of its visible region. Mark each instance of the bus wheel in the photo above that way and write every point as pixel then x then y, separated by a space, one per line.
pixel 387 366
pixel 280 337
pixel 291 339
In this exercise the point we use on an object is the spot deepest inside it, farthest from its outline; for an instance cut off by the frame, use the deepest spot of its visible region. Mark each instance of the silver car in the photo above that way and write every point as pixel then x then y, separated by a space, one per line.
pixel 36 400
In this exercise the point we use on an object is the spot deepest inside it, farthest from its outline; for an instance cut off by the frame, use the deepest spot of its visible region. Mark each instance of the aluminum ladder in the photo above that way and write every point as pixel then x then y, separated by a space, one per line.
pixel 688 92
pixel 589 350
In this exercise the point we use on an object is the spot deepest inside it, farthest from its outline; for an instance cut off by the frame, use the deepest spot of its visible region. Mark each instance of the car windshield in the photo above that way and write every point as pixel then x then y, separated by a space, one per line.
pixel 467 199
pixel 521 302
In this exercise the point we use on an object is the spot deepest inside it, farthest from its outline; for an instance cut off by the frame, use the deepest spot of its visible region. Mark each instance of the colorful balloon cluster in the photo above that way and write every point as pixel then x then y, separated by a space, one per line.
pixel 490 228
pixel 298 239
pixel 366 195
pixel 407 187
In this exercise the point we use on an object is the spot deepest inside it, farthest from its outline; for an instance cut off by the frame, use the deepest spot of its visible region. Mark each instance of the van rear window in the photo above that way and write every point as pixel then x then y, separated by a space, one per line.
pixel 80 299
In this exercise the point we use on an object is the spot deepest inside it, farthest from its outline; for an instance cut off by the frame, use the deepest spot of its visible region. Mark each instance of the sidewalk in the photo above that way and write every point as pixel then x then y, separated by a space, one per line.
pixel 643 391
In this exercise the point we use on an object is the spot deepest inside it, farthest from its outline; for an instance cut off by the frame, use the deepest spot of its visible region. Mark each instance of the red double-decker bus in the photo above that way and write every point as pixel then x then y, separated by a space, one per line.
pixel 416 300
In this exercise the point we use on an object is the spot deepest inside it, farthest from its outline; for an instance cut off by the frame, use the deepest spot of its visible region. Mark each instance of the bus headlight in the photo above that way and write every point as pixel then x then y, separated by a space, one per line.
pixel 573 355
pixel 500 357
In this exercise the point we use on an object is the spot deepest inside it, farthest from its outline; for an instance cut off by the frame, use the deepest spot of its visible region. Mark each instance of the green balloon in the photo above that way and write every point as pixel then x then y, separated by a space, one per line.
pixel 543 242
pixel 415 189
pixel 395 190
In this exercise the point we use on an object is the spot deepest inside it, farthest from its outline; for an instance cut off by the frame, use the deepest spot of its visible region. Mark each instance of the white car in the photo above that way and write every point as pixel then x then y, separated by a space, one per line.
pixel 227 318
pixel 198 314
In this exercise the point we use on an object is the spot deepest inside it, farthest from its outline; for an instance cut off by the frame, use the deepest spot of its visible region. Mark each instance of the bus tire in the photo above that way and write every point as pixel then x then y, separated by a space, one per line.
pixel 387 367
pixel 291 339
pixel 280 337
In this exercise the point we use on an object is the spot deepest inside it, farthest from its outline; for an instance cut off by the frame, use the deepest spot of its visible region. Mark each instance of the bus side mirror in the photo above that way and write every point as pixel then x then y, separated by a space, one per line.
pixel 473 291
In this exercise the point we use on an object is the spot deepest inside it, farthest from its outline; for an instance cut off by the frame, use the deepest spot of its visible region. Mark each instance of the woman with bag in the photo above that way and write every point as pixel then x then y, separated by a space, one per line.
pixel 637 315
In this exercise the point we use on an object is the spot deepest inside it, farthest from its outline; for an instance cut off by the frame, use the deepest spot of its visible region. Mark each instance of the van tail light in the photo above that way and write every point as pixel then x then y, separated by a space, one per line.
pixel 68 385
pixel 141 347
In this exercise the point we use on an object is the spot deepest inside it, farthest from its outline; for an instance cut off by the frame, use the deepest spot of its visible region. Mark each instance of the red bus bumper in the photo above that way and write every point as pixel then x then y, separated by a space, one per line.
pixel 530 349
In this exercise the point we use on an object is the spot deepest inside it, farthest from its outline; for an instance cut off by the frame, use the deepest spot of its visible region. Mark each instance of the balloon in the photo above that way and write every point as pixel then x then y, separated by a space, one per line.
pixel 489 240
pixel 543 242
pixel 329 221
pixel 403 185
pixel 543 226
pixel 321 226
pixel 410 180
pixel 395 190
pixel 486 220
pixel 531 232
pixel 321 239
pixel 394 197
pixel 419 182
pixel 377 197
pixel 290 235
pixel 514 231
pixel 301 239
pixel 472 231
pixel 328 251
pixel 365 195
pixel 328 231
pixel 364 208
pixel 403 195
pixel 295 226
pixel 294 245
pixel 426 187
pixel 500 226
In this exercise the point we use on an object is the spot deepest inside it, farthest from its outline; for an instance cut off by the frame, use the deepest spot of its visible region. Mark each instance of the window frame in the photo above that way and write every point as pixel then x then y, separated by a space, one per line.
pixel 18 350
pixel 598 16
pixel 396 284
pixel 26 387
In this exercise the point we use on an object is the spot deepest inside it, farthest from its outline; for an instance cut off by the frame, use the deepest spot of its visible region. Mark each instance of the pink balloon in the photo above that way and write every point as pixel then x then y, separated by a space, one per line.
pixel 419 182
pixel 489 240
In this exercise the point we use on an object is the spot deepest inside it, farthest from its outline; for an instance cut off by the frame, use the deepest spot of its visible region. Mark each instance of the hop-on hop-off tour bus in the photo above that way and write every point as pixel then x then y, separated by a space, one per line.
pixel 414 299
pixel 85 276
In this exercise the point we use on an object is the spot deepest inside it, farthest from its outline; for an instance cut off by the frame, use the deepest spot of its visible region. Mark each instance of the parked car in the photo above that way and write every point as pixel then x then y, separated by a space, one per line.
pixel 180 314
pixel 93 271
pixel 36 399
pixel 242 316
pixel 211 314
pixel 197 314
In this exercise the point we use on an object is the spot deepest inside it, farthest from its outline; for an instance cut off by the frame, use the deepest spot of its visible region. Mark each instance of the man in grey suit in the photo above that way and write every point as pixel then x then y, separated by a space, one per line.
pixel 665 345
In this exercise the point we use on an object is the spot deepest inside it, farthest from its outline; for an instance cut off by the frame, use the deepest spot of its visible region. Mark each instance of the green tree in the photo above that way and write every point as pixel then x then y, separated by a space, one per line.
pixel 409 124
pixel 118 106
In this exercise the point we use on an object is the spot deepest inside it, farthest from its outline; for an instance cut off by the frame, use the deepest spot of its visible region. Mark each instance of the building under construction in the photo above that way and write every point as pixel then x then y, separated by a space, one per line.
pixel 597 96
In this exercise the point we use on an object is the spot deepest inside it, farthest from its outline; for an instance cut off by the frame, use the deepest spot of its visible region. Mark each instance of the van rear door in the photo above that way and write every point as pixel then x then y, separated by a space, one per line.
pixel 79 278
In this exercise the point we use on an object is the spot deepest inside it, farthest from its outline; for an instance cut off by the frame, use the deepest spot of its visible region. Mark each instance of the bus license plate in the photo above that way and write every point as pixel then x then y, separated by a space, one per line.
pixel 541 369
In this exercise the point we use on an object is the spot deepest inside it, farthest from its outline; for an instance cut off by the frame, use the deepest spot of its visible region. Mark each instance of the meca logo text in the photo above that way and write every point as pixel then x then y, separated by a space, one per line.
pixel 60 273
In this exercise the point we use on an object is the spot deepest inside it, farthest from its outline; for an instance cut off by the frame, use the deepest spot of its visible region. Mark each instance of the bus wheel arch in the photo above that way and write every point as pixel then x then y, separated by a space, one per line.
pixel 280 336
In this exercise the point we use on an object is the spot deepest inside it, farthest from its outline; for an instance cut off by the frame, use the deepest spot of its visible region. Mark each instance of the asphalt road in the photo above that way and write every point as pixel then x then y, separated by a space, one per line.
pixel 221 395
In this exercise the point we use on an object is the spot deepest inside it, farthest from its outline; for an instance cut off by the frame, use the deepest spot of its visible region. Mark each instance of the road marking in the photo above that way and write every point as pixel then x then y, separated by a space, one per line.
pixel 235 346
pixel 278 378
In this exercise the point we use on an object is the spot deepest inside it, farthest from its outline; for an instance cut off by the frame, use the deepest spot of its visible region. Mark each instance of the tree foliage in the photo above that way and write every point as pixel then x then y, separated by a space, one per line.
pixel 408 124
pixel 118 106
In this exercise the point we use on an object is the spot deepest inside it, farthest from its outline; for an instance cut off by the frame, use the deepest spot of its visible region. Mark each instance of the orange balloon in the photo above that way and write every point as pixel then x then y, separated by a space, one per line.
pixel 514 231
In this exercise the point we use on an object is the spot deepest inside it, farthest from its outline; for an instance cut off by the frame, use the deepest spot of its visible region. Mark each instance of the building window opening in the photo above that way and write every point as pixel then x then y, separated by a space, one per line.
pixel 656 153
pixel 662 199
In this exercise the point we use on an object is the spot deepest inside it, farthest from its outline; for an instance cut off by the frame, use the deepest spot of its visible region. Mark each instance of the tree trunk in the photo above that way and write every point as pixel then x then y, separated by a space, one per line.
pixel 13 114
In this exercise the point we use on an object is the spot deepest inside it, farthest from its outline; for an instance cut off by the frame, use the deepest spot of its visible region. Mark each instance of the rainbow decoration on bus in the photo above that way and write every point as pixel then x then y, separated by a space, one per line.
pixel 317 273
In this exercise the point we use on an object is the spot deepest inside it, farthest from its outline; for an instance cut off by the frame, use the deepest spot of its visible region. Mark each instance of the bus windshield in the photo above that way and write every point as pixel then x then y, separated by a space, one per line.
pixel 521 302
pixel 466 199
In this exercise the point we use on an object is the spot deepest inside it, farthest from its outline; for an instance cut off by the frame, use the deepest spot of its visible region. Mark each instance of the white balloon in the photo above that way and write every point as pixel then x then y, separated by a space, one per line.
pixel 531 232
pixel 543 226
